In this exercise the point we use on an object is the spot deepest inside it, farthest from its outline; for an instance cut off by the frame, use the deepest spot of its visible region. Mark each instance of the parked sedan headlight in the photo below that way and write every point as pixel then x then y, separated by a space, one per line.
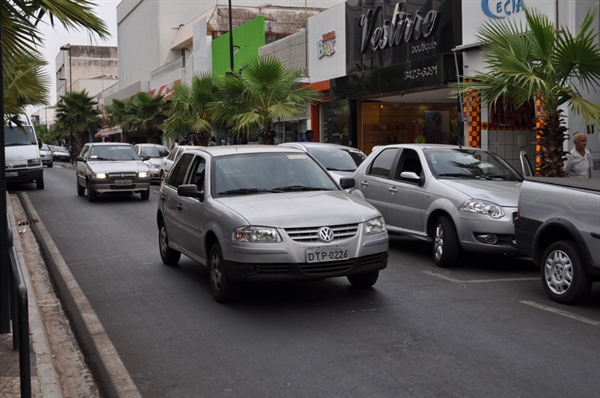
pixel 143 174
pixel 151 165
pixel 34 162
pixel 99 176
pixel 256 234
pixel 483 207
pixel 375 226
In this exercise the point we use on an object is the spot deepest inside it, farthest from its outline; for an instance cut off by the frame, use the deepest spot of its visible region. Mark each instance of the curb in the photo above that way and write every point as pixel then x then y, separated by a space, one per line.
pixel 101 356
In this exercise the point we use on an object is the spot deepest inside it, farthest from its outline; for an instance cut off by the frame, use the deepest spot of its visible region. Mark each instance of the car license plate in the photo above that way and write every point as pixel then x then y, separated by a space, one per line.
pixel 320 254
pixel 122 183
pixel 12 173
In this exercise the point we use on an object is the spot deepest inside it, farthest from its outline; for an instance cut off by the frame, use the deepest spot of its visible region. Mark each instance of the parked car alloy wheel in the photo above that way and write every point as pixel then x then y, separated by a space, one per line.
pixel 563 274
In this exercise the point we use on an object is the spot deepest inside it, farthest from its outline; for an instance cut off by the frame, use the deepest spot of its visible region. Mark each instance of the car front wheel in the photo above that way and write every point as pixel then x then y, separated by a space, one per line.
pixel 223 289
pixel 363 280
pixel 145 194
pixel 168 255
pixel 80 189
pixel 92 196
pixel 39 183
pixel 446 248
pixel 563 274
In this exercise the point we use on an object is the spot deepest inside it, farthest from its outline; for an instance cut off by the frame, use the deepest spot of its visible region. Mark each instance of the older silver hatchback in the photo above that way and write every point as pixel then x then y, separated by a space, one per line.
pixel 264 213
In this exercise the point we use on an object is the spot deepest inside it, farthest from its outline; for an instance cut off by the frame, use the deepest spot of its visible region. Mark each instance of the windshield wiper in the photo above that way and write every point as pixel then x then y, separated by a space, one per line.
pixel 334 169
pixel 301 188
pixel 247 191
pixel 101 158
pixel 501 177
pixel 457 175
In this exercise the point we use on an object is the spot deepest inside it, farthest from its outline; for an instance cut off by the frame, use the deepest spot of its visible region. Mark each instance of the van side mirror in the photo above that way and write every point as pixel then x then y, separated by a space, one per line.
pixel 40 144
pixel 347 182
pixel 190 190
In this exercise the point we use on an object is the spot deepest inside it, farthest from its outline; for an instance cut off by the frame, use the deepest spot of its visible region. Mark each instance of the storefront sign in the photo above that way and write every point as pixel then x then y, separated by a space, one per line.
pixel 404 27
pixel 501 8
pixel 326 46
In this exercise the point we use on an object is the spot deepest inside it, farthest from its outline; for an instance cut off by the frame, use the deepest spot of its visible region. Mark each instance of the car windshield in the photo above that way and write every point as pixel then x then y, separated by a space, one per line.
pixel 113 153
pixel 338 159
pixel 45 147
pixel 470 164
pixel 15 136
pixel 268 173
pixel 154 151
pixel 61 149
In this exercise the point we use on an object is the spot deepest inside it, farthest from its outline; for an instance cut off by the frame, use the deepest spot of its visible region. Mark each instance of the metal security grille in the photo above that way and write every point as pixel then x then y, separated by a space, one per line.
pixel 311 234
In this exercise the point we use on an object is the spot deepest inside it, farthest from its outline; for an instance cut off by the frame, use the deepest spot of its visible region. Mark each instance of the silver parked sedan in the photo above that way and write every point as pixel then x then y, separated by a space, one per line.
pixel 111 168
pixel 459 198
pixel 264 213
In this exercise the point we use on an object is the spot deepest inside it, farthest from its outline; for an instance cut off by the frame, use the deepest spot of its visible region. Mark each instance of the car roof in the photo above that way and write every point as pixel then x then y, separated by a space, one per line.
pixel 108 143
pixel 227 150
pixel 149 144
pixel 317 145
pixel 424 146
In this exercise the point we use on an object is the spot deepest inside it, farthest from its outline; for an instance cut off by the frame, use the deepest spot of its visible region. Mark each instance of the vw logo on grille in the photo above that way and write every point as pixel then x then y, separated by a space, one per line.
pixel 122 175
pixel 325 234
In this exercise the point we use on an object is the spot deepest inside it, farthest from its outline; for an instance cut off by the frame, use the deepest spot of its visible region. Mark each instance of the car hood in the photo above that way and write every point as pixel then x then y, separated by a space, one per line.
pixel 154 161
pixel 503 193
pixel 113 167
pixel 302 209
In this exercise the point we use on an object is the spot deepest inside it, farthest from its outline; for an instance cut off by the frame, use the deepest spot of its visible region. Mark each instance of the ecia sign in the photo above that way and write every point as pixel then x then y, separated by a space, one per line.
pixel 501 8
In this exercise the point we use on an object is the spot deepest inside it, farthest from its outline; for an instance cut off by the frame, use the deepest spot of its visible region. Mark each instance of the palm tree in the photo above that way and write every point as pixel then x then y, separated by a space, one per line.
pixel 540 61
pixel 76 118
pixel 140 114
pixel 265 91
pixel 189 108
pixel 24 82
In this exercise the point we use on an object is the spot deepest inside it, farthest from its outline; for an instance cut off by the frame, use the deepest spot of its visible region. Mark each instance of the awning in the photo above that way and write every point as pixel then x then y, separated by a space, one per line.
pixel 163 90
pixel 108 131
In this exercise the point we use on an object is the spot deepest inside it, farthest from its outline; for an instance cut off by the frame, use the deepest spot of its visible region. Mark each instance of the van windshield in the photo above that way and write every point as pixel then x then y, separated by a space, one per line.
pixel 14 136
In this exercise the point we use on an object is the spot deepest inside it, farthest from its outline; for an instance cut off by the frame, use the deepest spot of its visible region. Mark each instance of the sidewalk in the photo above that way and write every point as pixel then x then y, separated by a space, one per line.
pixel 57 365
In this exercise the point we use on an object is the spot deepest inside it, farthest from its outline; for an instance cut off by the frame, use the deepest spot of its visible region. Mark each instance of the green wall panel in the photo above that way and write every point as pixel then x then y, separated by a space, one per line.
pixel 249 37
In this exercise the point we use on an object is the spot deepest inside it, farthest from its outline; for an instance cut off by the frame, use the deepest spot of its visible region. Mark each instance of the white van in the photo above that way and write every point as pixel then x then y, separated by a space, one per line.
pixel 22 155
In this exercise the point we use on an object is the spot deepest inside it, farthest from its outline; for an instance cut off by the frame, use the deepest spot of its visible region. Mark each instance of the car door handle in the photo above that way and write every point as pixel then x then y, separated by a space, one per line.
pixel 163 197
pixel 392 189
pixel 179 207
pixel 364 183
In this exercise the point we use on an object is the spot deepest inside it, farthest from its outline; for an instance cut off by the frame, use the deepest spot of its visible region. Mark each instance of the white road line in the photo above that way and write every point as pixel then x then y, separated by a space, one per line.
pixel 479 280
pixel 563 313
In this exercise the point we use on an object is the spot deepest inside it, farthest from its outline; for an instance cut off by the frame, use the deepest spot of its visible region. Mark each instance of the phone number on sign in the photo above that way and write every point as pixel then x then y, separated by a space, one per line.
pixel 421 72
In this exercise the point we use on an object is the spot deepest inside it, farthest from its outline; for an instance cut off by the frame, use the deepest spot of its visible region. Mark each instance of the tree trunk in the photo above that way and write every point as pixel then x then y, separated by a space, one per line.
pixel 552 136
pixel 267 136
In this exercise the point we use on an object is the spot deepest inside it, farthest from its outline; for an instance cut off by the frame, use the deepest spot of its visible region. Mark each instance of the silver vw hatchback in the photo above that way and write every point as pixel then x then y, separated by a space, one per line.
pixel 265 213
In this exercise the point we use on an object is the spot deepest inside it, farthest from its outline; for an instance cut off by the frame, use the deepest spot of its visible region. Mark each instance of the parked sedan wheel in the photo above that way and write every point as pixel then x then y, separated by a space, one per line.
pixel 446 248
pixel 39 183
pixel 50 165
pixel 563 273
pixel 92 196
pixel 145 194
pixel 168 255
pixel 363 280
pixel 80 189
pixel 223 290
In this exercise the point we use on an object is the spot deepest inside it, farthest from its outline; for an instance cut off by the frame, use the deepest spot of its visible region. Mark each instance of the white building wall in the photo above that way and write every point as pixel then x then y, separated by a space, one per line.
pixel 327 66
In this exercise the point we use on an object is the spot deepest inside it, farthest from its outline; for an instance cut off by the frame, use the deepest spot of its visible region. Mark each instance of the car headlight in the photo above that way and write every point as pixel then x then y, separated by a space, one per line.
pixel 143 174
pixel 34 162
pixel 375 226
pixel 99 176
pixel 256 234
pixel 483 207
pixel 150 165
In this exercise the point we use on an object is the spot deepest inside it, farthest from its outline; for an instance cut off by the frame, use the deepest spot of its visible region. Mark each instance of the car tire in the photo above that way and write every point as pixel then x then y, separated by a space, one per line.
pixel 363 280
pixel 446 248
pixel 223 290
pixel 168 255
pixel 50 165
pixel 145 194
pixel 92 196
pixel 563 273
pixel 80 189
pixel 39 183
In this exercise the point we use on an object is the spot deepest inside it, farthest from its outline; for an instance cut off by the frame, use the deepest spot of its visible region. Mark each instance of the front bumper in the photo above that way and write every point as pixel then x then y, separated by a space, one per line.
pixel 108 186
pixel 483 234
pixel 287 260
pixel 24 175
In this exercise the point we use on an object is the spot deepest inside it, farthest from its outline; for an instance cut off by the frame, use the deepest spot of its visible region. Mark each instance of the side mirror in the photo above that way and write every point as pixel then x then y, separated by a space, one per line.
pixel 410 175
pixel 191 191
pixel 347 182
pixel 145 157
pixel 40 144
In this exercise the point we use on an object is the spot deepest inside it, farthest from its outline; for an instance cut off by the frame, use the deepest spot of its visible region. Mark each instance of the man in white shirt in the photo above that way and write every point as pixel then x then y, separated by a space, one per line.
pixel 579 160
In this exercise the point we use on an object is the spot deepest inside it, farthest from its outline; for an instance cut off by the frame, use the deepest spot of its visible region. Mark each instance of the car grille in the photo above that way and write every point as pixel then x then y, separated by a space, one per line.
pixel 326 268
pixel 311 234
pixel 272 269
pixel 114 176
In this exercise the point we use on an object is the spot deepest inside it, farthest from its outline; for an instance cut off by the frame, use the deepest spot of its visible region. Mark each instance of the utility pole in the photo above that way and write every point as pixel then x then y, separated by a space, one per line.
pixel 231 65
pixel 68 48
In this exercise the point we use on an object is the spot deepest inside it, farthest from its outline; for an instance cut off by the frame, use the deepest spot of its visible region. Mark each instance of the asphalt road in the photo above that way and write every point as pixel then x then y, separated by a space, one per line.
pixel 484 328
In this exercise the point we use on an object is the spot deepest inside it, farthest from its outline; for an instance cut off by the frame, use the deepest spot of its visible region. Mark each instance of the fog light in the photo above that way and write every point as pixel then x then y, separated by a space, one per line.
pixel 490 239
pixel 250 269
